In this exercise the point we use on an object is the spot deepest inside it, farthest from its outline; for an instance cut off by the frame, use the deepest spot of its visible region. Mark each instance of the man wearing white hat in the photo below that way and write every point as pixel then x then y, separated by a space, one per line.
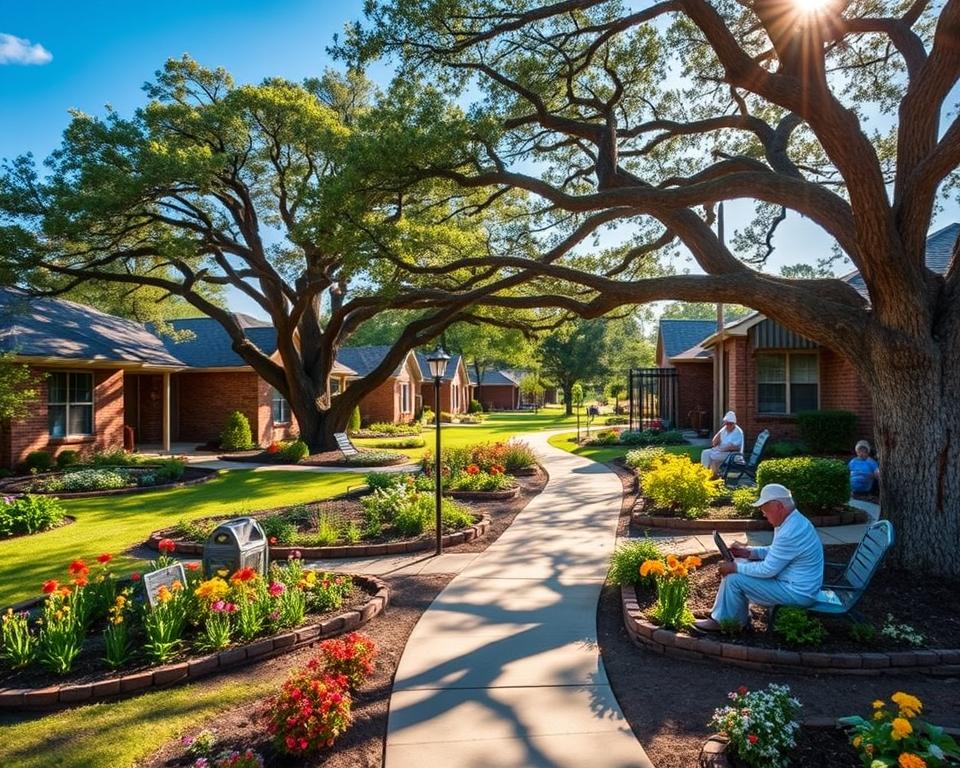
pixel 788 572
pixel 728 440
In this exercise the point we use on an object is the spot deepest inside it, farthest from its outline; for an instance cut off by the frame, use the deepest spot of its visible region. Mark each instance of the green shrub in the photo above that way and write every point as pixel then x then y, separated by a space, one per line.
pixel 419 515
pixel 374 459
pixel 828 431
pixel 294 452
pixel 518 455
pixel 406 442
pixel 797 627
pixel 168 471
pixel 731 627
pixel 626 561
pixel 378 480
pixel 29 514
pixel 471 418
pixel 475 407
pixel 819 486
pixel 84 480
pixel 784 449
pixel 37 461
pixel 112 457
pixel 652 437
pixel 480 481
pixel 194 530
pixel 236 435
pixel 388 428
pixel 279 528
pixel 642 459
pixel 680 485
pixel 67 458
pixel 863 633
pixel 607 437
pixel 743 499
pixel 354 423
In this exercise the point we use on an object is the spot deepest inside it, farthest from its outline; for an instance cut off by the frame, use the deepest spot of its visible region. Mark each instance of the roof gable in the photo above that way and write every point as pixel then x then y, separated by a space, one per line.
pixel 493 379
pixel 32 326
pixel 680 335
pixel 449 373
pixel 363 360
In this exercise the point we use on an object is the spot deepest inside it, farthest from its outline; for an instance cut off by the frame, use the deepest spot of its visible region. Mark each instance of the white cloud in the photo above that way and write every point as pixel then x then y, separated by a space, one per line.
pixel 19 50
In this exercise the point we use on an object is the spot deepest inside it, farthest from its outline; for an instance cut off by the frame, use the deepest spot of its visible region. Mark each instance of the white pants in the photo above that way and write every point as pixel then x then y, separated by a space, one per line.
pixel 712 458
pixel 737 592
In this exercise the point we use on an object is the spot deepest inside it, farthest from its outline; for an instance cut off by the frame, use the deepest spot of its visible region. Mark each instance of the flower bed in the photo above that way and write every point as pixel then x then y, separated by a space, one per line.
pixel 106 481
pixel 26 515
pixel 728 524
pixel 99 638
pixel 365 458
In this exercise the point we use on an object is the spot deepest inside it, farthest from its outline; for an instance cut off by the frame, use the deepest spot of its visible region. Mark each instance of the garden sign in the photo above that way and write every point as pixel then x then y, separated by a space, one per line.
pixel 164 577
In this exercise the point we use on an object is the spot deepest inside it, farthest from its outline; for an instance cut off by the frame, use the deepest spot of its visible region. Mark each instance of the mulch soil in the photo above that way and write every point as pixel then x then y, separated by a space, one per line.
pixel 668 702
pixel 89 667
pixel 362 745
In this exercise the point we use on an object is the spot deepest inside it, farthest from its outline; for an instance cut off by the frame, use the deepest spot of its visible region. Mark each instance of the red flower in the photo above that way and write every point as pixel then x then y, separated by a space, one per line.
pixel 192 566
pixel 78 568
pixel 105 558
pixel 742 690
pixel 135 576
pixel 244 574
pixel 752 738
pixel 50 586
pixel 473 469
pixel 273 540
pixel 166 545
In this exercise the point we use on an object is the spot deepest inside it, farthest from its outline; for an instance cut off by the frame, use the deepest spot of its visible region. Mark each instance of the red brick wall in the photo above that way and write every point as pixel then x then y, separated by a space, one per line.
pixel 33 432
pixel 206 400
pixel 497 397
pixel 266 431
pixel 840 389
pixel 383 404
pixel 695 392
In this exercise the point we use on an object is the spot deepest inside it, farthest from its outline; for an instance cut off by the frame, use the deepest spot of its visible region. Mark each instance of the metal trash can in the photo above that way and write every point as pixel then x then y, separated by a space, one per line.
pixel 235 544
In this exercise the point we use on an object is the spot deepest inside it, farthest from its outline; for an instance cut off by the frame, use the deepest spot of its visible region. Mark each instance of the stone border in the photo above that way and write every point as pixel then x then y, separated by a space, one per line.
pixel 475 531
pixel 647 634
pixel 207 476
pixel 728 525
pixel 56 696
pixel 506 493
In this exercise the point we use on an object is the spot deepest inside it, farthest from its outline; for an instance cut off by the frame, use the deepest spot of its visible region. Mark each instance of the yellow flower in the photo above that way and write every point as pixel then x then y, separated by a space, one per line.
pixel 909 760
pixel 910 706
pixel 900 728
pixel 213 589
pixel 879 714
pixel 878 704
pixel 857 741
pixel 311 578
pixel 652 567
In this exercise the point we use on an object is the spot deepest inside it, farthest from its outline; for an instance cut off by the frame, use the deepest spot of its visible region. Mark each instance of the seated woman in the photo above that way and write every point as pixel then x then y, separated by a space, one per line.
pixel 864 471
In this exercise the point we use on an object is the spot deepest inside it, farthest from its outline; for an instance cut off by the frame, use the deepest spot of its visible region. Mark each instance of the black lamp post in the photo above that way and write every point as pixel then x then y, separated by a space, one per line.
pixel 438 367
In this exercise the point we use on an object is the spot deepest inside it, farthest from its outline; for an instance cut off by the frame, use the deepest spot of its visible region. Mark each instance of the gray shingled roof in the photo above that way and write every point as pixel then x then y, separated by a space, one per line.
pixel 939 248
pixel 493 379
pixel 679 335
pixel 448 374
pixel 49 327
pixel 364 359
pixel 211 346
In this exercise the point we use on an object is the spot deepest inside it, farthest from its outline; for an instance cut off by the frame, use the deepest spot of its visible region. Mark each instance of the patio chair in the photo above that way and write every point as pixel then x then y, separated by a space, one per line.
pixel 845 583
pixel 346 447
pixel 736 464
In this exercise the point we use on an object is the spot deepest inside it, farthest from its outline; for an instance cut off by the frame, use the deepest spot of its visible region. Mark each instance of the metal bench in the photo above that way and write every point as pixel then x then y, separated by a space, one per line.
pixel 735 462
pixel 346 447
pixel 840 594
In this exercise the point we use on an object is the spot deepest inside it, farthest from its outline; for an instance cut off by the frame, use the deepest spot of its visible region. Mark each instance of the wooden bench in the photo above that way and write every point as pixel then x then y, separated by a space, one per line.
pixel 840 594
pixel 735 463
pixel 346 447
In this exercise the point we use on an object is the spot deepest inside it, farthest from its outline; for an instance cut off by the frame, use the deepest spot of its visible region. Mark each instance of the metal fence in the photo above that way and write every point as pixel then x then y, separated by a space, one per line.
pixel 653 397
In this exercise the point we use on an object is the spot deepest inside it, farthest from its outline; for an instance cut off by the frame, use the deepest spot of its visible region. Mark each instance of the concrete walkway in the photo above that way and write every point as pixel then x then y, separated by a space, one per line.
pixel 504 669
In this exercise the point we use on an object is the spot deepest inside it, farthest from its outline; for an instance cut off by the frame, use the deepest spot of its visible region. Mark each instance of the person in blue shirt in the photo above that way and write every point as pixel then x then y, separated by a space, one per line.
pixel 864 471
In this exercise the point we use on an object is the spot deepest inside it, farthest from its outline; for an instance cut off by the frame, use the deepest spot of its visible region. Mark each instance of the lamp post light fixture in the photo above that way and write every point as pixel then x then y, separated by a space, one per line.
pixel 438 367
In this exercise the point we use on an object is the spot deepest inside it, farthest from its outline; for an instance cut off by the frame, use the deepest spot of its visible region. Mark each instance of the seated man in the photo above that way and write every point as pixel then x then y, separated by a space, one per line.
pixel 788 572
pixel 864 471
pixel 728 440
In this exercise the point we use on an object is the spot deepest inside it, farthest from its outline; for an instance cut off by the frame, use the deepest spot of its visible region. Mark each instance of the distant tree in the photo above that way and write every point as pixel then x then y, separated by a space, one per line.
pixel 574 353
pixel 616 389
pixel 627 347
pixel 806 271
pixel 492 339
pixel 695 310
pixel 532 389
pixel 18 388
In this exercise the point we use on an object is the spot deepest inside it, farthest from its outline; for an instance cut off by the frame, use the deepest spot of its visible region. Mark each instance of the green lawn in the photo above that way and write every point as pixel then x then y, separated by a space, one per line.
pixel 120 733
pixel 498 426
pixel 568 442
pixel 117 523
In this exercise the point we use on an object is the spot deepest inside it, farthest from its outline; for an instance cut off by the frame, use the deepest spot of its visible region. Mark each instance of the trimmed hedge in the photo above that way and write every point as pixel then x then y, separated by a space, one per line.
pixel 828 431
pixel 819 486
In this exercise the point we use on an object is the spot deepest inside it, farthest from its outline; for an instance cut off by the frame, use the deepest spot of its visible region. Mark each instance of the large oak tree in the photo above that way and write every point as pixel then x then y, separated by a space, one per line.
pixel 835 110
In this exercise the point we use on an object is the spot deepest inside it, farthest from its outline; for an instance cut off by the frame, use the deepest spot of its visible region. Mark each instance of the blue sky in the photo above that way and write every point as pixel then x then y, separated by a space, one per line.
pixel 102 53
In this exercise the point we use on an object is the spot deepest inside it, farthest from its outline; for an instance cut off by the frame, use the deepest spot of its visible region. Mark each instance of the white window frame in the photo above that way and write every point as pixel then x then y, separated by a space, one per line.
pixel 278 399
pixel 786 354
pixel 67 403
pixel 404 397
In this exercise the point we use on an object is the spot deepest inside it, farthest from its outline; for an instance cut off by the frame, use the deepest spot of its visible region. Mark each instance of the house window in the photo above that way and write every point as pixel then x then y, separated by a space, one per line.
pixel 404 398
pixel 787 383
pixel 334 387
pixel 456 397
pixel 70 404
pixel 280 408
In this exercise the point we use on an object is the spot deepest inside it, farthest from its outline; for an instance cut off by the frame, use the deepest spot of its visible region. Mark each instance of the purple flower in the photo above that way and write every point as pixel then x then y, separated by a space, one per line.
pixel 274 615
pixel 201 762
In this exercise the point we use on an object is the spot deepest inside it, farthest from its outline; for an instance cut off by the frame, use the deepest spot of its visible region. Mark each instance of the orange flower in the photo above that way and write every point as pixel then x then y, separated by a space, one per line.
pixel 691 561
pixel 192 566
pixel 164 595
pixel 78 568
pixel 244 574
pixel 910 760
pixel 80 581
pixel 900 728
pixel 652 567
pixel 672 561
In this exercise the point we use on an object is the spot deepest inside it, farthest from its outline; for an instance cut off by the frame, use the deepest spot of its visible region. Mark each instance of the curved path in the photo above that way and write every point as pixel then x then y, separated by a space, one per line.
pixel 503 669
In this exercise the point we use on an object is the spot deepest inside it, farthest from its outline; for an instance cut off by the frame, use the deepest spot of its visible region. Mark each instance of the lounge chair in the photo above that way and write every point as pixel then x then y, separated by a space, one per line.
pixel 736 464
pixel 346 447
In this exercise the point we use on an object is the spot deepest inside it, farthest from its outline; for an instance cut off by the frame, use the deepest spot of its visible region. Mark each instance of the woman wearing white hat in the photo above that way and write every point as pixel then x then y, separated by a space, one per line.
pixel 728 440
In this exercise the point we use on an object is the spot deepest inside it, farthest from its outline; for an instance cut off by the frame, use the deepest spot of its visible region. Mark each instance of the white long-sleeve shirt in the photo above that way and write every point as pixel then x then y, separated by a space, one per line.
pixel 730 441
pixel 794 558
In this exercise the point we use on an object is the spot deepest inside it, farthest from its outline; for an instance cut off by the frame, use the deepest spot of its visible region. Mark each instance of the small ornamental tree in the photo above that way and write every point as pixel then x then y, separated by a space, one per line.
pixel 236 435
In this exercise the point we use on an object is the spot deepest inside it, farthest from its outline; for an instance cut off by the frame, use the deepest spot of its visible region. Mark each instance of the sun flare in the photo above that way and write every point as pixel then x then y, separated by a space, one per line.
pixel 812 6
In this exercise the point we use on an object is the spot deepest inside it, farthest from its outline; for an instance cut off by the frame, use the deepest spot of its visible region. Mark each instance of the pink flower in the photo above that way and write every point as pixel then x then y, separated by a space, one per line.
pixel 275 589
pixel 219 606
pixel 295 555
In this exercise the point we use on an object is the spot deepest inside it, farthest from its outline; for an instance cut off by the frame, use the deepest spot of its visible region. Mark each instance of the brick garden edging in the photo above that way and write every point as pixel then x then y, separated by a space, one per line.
pixel 649 635
pixel 206 476
pixel 506 493
pixel 475 531
pixel 727 525
pixel 183 671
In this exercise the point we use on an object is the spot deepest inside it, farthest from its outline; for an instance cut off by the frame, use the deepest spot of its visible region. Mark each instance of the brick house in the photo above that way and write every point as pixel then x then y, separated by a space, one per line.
pixel 454 386
pixel 767 373
pixel 496 391
pixel 396 400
